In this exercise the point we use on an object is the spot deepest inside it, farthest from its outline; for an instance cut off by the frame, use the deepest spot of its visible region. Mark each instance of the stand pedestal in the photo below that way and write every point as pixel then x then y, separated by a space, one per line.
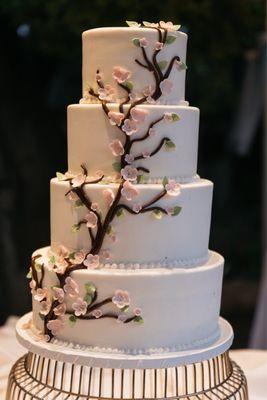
pixel 50 371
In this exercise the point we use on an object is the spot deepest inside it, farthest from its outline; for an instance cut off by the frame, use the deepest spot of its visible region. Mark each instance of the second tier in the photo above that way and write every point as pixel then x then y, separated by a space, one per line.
pixel 139 225
pixel 165 142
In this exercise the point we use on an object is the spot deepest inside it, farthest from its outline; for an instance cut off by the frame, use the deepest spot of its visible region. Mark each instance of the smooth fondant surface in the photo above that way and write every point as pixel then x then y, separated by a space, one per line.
pixel 90 134
pixel 140 238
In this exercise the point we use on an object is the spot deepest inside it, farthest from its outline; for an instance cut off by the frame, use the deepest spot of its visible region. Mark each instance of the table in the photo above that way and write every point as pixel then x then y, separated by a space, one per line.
pixel 253 362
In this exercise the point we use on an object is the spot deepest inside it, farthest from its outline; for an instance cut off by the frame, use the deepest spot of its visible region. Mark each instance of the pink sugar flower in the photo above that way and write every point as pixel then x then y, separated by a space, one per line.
pixel 158 45
pixel 116 147
pixel 129 190
pixel 129 126
pixel 121 298
pixel 91 220
pixel 45 306
pixel 152 132
pixel 121 74
pixel 97 313
pixel 121 318
pixel 107 93
pixel 92 261
pixel 167 117
pixel 78 180
pixel 170 210
pixel 71 287
pixel 95 207
pixel 62 251
pixel 169 25
pixel 137 208
pixel 129 158
pixel 138 114
pixel 137 311
pixel 60 265
pixel 143 42
pixel 32 285
pixel 146 154
pixel 115 117
pixel 166 86
pixel 60 309
pixel 109 196
pixel 129 173
pixel 79 307
pixel 173 188
pixel 58 294
pixel 150 100
pixel 79 257
pixel 40 294
pixel 106 254
pixel 55 326
pixel 148 90
pixel 72 196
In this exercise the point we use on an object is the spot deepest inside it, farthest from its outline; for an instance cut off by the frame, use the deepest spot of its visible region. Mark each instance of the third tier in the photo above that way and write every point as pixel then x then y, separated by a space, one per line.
pixel 165 143
pixel 168 230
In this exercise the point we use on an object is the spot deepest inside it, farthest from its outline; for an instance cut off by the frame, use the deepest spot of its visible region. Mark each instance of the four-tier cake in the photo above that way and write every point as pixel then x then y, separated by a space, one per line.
pixel 129 269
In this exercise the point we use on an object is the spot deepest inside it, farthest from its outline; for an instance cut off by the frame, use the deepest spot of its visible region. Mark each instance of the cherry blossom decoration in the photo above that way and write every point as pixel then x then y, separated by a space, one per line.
pixel 88 308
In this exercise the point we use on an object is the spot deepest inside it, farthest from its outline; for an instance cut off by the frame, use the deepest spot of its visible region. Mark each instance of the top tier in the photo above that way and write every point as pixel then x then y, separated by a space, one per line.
pixel 148 60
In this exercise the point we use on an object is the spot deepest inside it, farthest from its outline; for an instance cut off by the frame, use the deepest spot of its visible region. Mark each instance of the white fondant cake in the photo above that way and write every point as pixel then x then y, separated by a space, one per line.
pixel 129 268
pixel 90 133
pixel 139 238
pixel 104 48
pixel 180 307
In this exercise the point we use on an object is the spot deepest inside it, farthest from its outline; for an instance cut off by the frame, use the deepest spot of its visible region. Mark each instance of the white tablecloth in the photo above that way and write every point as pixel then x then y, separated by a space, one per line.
pixel 253 362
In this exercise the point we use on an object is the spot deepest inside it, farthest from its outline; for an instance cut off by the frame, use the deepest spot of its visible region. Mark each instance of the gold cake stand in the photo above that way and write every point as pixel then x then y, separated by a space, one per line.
pixel 42 374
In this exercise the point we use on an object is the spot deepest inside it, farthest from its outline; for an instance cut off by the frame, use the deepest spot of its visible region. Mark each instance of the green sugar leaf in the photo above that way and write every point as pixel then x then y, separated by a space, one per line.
pixel 90 288
pixel 157 214
pixel 72 255
pixel 141 178
pixel 176 27
pixel 132 23
pixel 125 309
pixel 136 42
pixel 109 230
pixel 120 213
pixel 128 84
pixel 52 260
pixel 182 65
pixel 170 39
pixel 176 210
pixel 72 319
pixel 88 298
pixel 169 145
pixel 175 117
pixel 139 320
pixel 41 316
pixel 116 166
pixel 165 181
pixel 75 228
pixel 162 64
pixel 146 23
pixel 38 267
pixel 29 274
pixel 78 203
pixel 60 176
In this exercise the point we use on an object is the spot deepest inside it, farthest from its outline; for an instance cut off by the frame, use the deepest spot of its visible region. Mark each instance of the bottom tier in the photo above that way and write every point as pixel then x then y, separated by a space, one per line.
pixel 135 311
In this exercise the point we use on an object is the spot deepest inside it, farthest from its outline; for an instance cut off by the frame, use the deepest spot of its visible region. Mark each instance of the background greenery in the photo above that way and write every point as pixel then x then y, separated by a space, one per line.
pixel 40 74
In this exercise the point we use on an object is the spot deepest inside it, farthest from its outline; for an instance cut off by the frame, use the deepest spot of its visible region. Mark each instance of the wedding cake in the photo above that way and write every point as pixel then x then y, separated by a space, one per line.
pixel 129 269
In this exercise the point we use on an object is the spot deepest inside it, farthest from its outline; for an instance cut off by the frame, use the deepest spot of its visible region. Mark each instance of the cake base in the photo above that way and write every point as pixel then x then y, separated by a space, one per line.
pixel 70 353
pixel 37 377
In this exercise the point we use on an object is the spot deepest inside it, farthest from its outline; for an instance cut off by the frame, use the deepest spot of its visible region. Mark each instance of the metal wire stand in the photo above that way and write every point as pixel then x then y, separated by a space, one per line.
pixel 37 377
